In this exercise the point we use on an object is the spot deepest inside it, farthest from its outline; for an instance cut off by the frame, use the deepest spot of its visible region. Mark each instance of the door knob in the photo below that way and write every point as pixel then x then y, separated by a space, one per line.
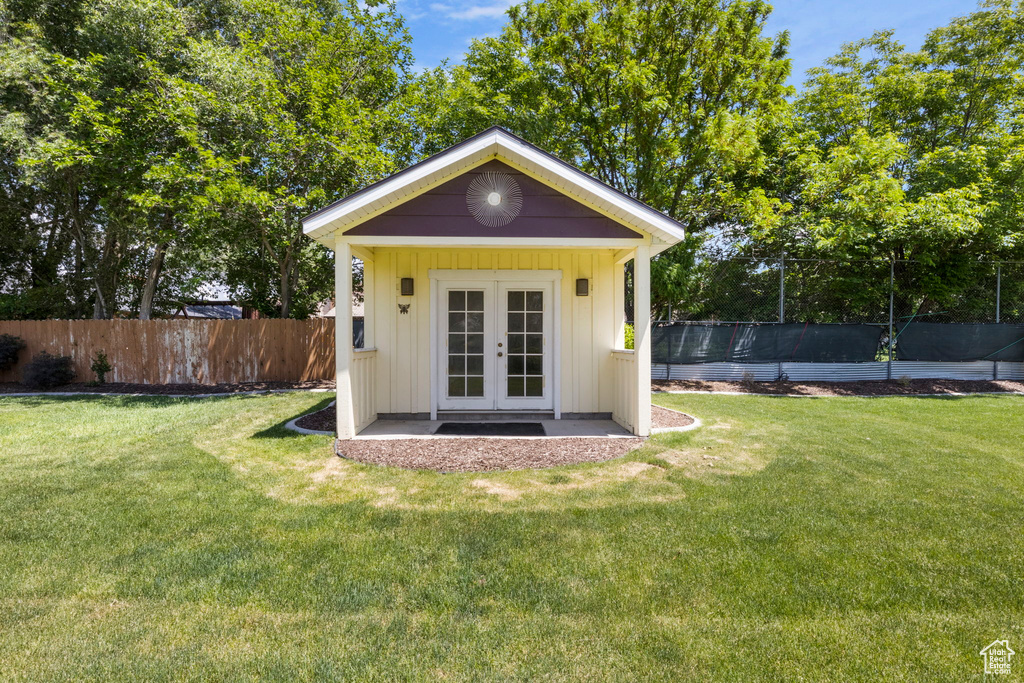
pixel 499 354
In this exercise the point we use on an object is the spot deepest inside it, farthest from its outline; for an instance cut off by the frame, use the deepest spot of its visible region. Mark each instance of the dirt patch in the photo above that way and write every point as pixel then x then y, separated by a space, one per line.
pixel 163 389
pixel 496 488
pixel 483 455
pixel 666 417
pixel 867 388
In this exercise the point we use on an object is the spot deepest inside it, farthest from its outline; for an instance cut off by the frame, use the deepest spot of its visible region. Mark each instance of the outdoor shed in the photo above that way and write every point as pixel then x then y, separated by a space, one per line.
pixel 493 286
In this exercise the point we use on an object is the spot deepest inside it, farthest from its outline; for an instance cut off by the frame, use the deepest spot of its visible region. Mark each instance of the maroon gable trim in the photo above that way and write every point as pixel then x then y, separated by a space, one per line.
pixel 442 212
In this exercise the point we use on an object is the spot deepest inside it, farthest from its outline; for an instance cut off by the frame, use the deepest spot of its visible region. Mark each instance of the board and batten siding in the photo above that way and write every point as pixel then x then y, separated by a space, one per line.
pixel 404 345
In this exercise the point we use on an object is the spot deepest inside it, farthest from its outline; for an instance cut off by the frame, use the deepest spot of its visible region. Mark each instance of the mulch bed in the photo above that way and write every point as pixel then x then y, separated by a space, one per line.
pixel 664 417
pixel 186 389
pixel 321 421
pixel 867 388
pixel 465 454
pixel 484 455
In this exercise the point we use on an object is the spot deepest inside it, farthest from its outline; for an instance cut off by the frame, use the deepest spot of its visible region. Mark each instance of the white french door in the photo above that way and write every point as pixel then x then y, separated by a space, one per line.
pixel 495 346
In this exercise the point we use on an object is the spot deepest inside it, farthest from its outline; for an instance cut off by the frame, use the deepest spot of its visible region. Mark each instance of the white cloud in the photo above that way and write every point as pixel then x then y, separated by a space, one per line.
pixel 472 12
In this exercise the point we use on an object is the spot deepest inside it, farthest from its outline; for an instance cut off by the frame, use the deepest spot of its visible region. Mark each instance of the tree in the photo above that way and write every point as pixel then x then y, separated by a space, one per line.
pixel 662 100
pixel 308 98
pixel 913 157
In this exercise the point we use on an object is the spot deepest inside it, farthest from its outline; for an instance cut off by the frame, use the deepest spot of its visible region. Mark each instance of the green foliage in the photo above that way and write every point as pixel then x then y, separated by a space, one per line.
pixel 10 347
pixel 46 371
pixel 629 337
pixel 101 366
pixel 665 101
pixel 148 147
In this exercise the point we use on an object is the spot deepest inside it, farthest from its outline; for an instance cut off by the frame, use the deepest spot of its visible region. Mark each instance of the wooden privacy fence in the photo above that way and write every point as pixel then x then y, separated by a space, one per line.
pixel 183 351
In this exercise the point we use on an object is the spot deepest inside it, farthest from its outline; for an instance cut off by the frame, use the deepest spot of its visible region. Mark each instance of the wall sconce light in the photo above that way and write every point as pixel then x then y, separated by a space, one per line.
pixel 407 289
pixel 582 287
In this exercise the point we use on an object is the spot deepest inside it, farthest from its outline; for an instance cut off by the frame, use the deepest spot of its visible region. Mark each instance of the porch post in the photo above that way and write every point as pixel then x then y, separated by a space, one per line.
pixel 642 338
pixel 343 338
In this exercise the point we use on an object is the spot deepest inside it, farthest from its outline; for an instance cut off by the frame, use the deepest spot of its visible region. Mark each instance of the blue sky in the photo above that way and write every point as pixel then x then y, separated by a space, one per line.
pixel 443 29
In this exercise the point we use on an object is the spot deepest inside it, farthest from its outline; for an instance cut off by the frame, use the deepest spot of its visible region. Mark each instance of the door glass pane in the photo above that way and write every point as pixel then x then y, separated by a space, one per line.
pixel 465 362
pixel 456 322
pixel 524 370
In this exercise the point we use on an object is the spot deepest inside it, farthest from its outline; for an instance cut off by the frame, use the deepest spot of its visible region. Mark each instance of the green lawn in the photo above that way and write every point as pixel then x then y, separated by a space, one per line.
pixel 815 539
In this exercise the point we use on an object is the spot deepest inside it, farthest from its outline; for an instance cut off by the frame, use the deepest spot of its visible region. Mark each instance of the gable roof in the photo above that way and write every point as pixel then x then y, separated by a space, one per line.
pixel 492 143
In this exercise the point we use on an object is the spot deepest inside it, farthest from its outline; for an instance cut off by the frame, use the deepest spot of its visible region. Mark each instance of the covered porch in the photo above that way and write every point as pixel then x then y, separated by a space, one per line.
pixel 494 288
pixel 404 371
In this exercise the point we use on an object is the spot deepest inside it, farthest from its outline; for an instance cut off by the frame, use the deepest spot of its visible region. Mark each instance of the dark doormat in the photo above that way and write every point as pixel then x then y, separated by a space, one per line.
pixel 491 429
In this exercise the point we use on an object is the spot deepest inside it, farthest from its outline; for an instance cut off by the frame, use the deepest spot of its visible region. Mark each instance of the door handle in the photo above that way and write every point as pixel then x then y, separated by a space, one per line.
pixel 499 354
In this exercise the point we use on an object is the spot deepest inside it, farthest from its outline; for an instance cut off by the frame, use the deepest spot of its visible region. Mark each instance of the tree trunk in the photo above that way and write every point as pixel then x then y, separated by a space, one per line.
pixel 156 267
pixel 285 284
pixel 106 274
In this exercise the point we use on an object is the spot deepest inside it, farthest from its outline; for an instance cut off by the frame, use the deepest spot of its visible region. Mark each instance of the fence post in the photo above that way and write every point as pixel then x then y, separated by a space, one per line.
pixel 999 289
pixel 782 302
pixel 999 296
pixel 892 289
pixel 782 288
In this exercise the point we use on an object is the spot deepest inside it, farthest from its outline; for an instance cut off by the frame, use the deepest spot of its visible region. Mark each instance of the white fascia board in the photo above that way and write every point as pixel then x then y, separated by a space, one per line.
pixel 493 242
pixel 497 145
pixel 318 226
pixel 650 220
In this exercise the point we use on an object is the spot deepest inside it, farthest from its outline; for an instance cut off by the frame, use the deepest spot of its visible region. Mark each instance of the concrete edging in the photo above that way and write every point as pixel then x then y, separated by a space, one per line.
pixel 754 393
pixel 302 430
pixel 687 428
pixel 221 394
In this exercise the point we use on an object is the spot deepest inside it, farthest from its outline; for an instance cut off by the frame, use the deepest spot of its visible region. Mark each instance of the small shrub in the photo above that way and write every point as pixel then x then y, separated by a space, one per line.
pixel 101 366
pixel 904 380
pixel 46 371
pixel 629 337
pixel 10 346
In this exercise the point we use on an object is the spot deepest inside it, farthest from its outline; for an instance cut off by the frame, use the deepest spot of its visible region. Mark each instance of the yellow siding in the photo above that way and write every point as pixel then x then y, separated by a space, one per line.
pixel 403 341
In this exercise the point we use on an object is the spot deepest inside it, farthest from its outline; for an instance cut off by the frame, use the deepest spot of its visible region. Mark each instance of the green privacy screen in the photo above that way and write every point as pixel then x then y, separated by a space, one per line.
pixel 748 343
pixel 953 342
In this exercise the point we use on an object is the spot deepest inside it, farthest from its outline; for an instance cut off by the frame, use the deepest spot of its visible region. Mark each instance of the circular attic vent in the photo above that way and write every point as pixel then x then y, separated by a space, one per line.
pixel 494 199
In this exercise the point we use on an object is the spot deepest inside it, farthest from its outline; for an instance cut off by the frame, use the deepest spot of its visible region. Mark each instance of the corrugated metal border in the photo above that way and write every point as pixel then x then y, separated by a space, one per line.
pixel 1011 370
pixel 977 369
pixel 834 372
pixel 722 372
pixel 838 372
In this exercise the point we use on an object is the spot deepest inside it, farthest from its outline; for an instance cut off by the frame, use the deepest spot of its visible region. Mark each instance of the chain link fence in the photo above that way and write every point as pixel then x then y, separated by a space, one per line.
pixel 836 320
